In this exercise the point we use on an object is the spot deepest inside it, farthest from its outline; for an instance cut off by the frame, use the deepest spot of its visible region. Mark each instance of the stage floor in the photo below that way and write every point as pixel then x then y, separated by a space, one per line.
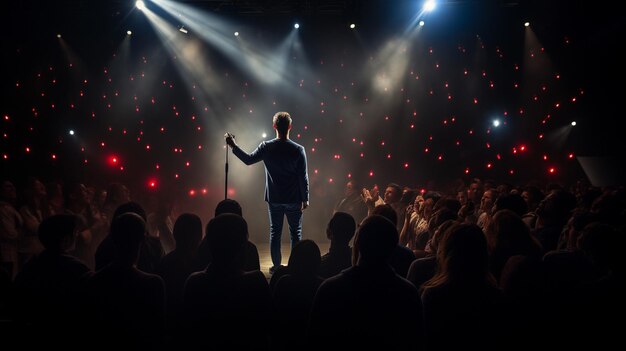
pixel 264 253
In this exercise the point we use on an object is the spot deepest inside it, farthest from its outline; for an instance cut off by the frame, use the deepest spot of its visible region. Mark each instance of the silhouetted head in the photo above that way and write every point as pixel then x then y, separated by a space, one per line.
pixel 603 245
pixel 228 206
pixel 8 192
pixel 462 254
pixel 341 228
pixel 56 233
pixel 555 209
pixel 187 232
pixel 513 202
pixel 305 258
pixel 386 211
pixel 132 207
pixel 128 232
pixel 376 239
pixel 226 235
pixel 282 122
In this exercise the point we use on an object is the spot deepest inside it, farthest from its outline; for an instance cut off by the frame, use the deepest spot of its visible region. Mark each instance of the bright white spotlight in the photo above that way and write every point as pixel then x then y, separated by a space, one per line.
pixel 140 5
pixel 573 123
pixel 296 26
pixel 71 131
pixel 526 24
pixel 429 5
pixel 59 35
pixel 496 123
pixel 352 25
pixel 236 34
pixel 264 135
pixel 129 32
pixel 183 30
pixel 421 23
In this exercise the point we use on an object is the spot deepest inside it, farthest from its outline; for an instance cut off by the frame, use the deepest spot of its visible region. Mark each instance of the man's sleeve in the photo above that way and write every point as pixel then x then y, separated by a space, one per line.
pixel 254 157
pixel 303 176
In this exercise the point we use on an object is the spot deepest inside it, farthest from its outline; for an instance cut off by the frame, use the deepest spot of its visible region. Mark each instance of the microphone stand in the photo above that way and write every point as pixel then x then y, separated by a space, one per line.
pixel 226 175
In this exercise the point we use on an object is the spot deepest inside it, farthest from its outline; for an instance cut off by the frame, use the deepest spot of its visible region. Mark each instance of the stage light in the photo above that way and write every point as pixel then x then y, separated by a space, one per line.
pixel 264 135
pixel 183 30
pixel 421 23
pixel 71 132
pixel 140 5
pixel 296 26
pixel 352 25
pixel 129 32
pixel 526 24
pixel 236 34
pixel 573 123
pixel 496 123
pixel 429 5
pixel 59 35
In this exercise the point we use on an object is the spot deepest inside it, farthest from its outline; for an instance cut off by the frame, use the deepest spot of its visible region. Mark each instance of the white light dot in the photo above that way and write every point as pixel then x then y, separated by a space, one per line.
pixel 129 32
pixel 526 24
pixel 71 131
pixel 264 135
pixel 140 4
pixel 236 34
pixel 296 26
pixel 429 5
pixel 421 23
pixel 573 123
pixel 496 122
pixel 352 25
pixel 59 35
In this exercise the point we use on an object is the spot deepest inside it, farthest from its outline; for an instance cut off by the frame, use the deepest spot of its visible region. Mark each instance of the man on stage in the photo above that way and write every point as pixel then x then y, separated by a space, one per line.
pixel 286 181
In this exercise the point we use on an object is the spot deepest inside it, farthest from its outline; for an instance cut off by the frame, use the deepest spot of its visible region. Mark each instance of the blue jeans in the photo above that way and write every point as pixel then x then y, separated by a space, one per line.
pixel 294 219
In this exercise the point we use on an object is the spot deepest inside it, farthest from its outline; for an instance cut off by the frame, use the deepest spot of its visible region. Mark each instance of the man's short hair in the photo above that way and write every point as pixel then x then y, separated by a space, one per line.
pixel 282 122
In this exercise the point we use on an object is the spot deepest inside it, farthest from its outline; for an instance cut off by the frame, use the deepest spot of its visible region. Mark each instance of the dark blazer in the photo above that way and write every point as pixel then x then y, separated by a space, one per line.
pixel 286 177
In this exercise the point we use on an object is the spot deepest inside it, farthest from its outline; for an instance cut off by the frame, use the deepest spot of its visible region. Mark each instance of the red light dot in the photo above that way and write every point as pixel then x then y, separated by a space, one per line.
pixel 545 157
pixel 371 173
pixel 570 156
pixel 54 157
pixel 330 180
pixel 192 192
pixel 489 165
pixel 552 170
pixel 27 149
pixel 406 165
pixel 204 191
pixel 5 156
pixel 467 171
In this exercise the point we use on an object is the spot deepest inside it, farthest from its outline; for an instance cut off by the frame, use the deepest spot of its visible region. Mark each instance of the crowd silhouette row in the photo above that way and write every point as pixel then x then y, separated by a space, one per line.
pixel 481 266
